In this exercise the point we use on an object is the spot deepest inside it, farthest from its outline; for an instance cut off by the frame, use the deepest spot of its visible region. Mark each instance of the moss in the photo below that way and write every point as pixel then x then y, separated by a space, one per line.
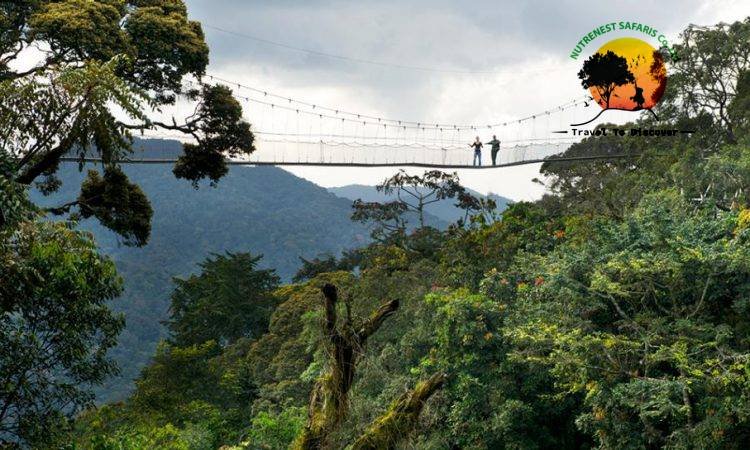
pixel 400 419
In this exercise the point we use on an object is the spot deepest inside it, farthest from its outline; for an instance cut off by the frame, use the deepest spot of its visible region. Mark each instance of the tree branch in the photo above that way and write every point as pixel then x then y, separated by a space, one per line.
pixel 376 320
pixel 400 418
pixel 47 161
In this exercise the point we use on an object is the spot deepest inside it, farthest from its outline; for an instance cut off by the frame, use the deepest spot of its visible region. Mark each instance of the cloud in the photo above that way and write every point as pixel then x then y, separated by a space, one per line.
pixel 526 43
pixel 511 38
pixel 446 34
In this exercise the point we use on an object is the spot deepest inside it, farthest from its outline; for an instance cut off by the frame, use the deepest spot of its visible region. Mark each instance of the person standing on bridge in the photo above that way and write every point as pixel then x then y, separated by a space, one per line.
pixel 477 161
pixel 495 149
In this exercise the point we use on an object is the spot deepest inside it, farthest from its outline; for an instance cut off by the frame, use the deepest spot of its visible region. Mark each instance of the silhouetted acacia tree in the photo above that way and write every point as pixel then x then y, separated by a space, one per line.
pixel 605 72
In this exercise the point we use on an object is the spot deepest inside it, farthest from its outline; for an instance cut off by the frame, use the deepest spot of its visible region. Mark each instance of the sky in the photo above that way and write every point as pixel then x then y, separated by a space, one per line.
pixel 524 44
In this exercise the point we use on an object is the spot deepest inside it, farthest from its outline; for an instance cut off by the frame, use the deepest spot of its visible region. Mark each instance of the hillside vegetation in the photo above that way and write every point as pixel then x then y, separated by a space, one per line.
pixel 611 314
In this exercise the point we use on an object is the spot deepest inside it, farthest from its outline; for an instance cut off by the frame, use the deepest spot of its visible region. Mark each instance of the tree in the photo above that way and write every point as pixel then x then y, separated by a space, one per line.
pixel 330 396
pixel 605 72
pixel 470 253
pixel 79 78
pixel 177 378
pixel 433 186
pixel 327 263
pixel 413 193
pixel 739 109
pixel 230 299
pixel 706 75
pixel 320 264
pixel 14 205
pixel 55 328
pixel 615 183
pixel 104 66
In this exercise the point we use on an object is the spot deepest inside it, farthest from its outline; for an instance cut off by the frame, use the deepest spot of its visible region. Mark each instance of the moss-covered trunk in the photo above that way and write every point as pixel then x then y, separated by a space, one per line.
pixel 329 399
pixel 400 419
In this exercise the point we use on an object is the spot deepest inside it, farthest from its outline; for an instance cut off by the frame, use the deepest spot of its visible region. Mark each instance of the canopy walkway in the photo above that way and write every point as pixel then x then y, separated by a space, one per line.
pixel 291 132
pixel 349 164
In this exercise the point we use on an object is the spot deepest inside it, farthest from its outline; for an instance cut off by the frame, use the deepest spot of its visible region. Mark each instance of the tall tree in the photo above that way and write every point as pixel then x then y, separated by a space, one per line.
pixel 80 77
pixel 230 299
pixel 416 192
pixel 103 67
pixel 413 194
pixel 707 73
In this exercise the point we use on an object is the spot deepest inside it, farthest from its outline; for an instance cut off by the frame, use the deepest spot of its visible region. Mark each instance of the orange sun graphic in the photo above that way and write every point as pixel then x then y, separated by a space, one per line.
pixel 649 76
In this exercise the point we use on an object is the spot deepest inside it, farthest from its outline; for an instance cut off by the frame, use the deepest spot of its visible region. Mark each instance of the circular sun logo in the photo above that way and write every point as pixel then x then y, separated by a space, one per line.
pixel 625 74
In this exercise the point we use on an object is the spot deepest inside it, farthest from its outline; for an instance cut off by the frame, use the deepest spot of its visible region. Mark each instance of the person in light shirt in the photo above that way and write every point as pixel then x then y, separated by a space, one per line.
pixel 477 145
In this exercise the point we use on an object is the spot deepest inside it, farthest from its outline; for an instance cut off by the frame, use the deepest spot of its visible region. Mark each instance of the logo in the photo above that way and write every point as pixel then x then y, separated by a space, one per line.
pixel 624 74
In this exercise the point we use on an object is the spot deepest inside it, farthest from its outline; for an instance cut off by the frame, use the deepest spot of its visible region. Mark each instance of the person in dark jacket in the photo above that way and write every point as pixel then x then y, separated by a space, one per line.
pixel 495 149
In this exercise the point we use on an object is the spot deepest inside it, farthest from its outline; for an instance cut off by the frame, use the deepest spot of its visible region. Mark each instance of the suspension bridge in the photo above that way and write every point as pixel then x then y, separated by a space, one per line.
pixel 293 132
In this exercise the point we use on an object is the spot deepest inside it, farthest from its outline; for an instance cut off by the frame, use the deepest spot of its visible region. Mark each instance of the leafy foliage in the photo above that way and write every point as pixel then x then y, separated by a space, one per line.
pixel 118 204
pixel 55 328
pixel 230 299
pixel 220 132
pixel 646 320
pixel 610 314
pixel 13 200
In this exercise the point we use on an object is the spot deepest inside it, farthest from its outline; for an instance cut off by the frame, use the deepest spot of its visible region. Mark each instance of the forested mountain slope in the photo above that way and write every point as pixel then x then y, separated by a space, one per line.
pixel 263 210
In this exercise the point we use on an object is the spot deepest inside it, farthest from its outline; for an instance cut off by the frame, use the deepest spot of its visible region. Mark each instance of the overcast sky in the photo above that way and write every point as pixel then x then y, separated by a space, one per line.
pixel 525 43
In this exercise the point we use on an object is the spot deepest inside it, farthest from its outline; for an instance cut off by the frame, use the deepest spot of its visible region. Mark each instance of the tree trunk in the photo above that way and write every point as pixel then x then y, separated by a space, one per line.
pixel 329 399
pixel 421 212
